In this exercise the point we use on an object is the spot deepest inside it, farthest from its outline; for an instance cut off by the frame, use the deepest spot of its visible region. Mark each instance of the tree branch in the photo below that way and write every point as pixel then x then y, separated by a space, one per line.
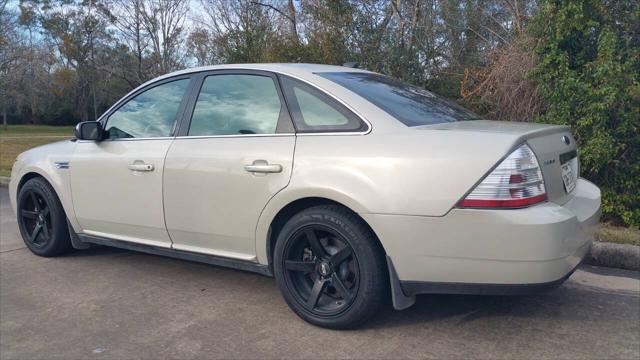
pixel 274 9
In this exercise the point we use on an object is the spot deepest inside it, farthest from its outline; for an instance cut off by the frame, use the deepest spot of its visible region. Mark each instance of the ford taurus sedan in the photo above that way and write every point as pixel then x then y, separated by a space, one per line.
pixel 347 186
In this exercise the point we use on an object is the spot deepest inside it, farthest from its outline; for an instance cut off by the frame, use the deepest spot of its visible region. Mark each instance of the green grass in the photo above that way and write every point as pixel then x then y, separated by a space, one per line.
pixel 18 138
pixel 35 130
pixel 618 234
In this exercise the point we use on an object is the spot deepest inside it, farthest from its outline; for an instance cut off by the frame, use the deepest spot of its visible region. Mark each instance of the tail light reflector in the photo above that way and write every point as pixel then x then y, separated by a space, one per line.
pixel 516 182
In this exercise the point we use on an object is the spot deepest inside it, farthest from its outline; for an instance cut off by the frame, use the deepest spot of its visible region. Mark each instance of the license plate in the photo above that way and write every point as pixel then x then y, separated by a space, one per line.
pixel 567 177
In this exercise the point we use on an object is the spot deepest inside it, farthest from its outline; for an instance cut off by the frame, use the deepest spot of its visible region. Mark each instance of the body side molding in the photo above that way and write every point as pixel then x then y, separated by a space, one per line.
pixel 180 254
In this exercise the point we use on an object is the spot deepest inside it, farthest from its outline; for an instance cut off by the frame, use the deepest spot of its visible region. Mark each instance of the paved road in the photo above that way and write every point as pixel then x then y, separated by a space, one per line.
pixel 106 303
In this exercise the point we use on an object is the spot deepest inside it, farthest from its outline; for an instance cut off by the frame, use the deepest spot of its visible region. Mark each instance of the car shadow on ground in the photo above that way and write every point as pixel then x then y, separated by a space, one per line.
pixel 570 301
pixel 97 250
pixel 605 271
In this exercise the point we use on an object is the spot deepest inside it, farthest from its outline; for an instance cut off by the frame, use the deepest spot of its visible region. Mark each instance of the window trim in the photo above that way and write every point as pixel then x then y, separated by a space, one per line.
pixel 339 102
pixel 179 114
pixel 284 126
pixel 185 111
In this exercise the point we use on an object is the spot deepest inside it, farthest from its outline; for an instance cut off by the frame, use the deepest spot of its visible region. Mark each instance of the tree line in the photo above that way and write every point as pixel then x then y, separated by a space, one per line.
pixel 67 60
pixel 573 62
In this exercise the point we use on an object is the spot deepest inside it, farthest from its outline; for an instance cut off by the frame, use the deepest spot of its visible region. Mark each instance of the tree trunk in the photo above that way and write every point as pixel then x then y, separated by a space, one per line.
pixel 293 25
pixel 4 116
pixel 141 78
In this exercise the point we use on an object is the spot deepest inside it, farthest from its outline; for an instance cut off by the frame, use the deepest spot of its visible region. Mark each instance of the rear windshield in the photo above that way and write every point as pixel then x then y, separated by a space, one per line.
pixel 409 104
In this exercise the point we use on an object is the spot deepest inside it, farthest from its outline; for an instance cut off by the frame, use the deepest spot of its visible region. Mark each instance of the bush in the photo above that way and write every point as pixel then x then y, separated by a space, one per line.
pixel 588 66
pixel 502 90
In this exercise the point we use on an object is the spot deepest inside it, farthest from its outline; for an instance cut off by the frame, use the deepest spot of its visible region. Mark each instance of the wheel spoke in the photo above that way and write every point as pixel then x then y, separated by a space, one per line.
pixel 35 233
pixel 45 211
pixel 314 242
pixel 340 288
pixel 316 291
pixel 34 199
pixel 304 266
pixel 340 256
pixel 28 214
pixel 45 231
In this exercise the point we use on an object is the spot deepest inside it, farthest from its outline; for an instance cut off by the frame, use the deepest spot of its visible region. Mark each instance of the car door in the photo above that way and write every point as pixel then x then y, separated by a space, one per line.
pixel 116 184
pixel 233 153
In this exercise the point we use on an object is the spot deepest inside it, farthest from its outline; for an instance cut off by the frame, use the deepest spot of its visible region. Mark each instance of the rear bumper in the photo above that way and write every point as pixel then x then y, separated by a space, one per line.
pixel 411 288
pixel 473 251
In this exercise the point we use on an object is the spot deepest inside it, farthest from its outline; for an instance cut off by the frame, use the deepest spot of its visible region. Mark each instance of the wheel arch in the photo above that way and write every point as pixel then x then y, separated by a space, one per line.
pixel 28 176
pixel 279 215
pixel 58 182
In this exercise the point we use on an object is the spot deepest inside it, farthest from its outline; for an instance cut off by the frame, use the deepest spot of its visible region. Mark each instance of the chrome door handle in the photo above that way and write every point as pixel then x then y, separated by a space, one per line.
pixel 262 166
pixel 140 167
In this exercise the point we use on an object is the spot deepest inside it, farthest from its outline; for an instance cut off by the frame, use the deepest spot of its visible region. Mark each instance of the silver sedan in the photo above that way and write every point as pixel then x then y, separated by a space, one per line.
pixel 348 186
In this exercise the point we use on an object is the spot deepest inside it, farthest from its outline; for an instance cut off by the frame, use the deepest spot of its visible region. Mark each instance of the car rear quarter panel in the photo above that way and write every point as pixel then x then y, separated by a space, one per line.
pixel 421 174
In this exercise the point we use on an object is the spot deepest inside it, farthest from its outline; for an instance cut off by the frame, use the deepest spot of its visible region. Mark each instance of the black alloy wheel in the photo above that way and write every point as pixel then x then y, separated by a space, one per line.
pixel 330 267
pixel 321 269
pixel 35 214
pixel 41 219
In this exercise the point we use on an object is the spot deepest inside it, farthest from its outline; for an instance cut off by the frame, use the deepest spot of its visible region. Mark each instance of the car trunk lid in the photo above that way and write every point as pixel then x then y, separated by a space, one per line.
pixel 553 145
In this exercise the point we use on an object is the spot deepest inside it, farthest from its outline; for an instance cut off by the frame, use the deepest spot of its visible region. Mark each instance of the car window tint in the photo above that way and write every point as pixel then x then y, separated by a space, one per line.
pixel 409 104
pixel 315 111
pixel 236 104
pixel 149 114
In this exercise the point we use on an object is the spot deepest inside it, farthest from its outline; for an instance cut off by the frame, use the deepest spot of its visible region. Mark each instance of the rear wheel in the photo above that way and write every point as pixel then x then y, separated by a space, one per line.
pixel 330 267
pixel 41 219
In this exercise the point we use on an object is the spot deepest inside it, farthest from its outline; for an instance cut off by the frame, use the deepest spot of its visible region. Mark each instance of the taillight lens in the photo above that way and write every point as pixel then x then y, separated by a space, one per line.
pixel 516 182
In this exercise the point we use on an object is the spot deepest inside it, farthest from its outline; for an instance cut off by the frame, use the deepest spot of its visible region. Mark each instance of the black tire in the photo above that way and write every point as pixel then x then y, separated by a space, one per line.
pixel 41 219
pixel 337 296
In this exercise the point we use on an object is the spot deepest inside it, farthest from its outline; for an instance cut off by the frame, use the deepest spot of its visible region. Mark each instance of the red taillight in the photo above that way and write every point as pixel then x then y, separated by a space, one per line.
pixel 516 182
pixel 503 203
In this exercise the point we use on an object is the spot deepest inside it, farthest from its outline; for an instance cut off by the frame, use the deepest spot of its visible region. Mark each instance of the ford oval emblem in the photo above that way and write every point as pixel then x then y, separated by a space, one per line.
pixel 566 140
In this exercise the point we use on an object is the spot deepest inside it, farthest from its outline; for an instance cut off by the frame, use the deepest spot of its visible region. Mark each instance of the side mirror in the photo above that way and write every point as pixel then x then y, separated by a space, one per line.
pixel 89 130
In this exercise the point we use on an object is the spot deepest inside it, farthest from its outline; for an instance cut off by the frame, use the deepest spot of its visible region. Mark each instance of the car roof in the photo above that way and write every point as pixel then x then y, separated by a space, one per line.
pixel 299 70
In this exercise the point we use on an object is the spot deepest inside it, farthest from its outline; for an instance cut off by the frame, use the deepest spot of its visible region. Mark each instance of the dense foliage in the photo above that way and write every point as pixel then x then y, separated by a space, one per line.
pixel 68 60
pixel 558 61
pixel 589 74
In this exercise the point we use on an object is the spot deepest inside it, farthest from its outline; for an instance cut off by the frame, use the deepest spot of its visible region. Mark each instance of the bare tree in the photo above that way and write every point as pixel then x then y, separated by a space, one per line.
pixel 7 55
pixel 240 30
pixel 289 14
pixel 127 17
pixel 164 25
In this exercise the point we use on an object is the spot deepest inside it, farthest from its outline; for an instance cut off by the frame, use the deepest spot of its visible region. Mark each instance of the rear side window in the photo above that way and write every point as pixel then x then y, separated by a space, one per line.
pixel 232 104
pixel 315 111
pixel 409 104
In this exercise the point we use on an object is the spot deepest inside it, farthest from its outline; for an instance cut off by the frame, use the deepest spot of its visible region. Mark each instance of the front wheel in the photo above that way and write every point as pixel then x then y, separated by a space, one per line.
pixel 41 219
pixel 330 267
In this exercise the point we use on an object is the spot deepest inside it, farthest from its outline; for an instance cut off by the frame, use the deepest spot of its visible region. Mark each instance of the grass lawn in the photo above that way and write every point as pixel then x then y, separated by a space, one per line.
pixel 617 234
pixel 18 138
pixel 36 130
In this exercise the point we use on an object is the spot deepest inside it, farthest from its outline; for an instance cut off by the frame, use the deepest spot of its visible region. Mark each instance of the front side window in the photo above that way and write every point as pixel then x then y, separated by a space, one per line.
pixel 314 111
pixel 233 104
pixel 409 104
pixel 151 113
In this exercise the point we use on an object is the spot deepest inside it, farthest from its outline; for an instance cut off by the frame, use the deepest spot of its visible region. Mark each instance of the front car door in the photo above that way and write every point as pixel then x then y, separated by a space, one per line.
pixel 234 152
pixel 116 183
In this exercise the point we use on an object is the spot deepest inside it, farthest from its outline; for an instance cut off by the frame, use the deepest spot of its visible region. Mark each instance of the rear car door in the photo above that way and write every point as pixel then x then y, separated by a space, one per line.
pixel 234 152
pixel 116 184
